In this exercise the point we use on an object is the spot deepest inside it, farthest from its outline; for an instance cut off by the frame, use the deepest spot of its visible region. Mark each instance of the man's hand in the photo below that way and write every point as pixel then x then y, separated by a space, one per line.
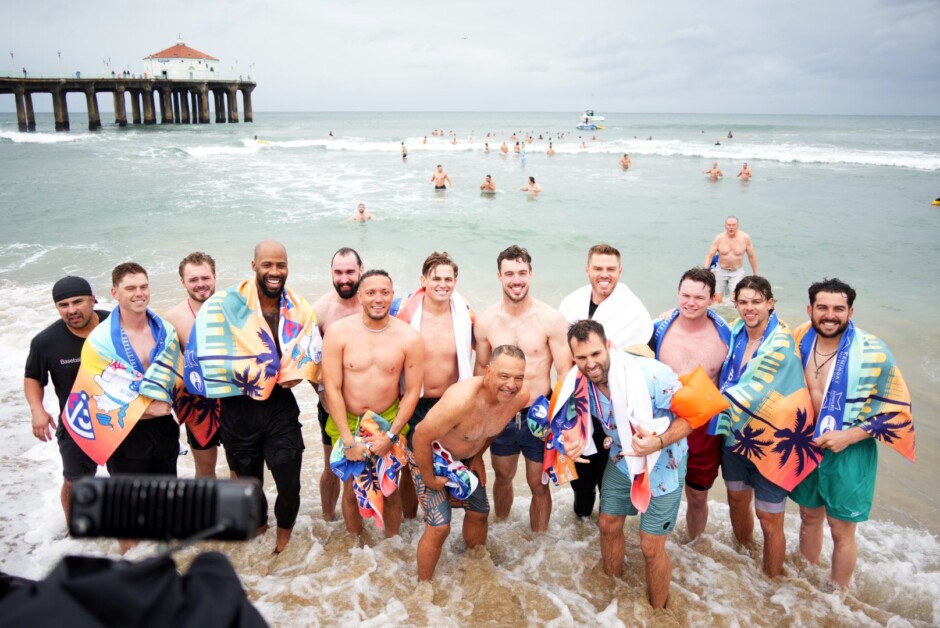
pixel 434 482
pixel 357 452
pixel 291 383
pixel 838 440
pixel 42 421
pixel 574 452
pixel 479 468
pixel 380 444
pixel 157 408
pixel 644 443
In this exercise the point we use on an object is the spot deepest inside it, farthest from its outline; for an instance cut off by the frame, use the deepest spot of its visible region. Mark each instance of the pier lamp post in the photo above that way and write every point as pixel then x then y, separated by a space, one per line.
pixel 59 52
pixel 12 62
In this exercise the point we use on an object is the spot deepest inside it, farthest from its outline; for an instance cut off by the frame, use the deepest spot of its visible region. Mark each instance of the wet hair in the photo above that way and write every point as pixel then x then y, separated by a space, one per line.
pixel 833 285
pixel 346 251
pixel 700 275
pixel 531 179
pixel 756 283
pixel 127 268
pixel 197 258
pixel 582 330
pixel 436 259
pixel 515 253
pixel 373 272
pixel 602 249
pixel 510 350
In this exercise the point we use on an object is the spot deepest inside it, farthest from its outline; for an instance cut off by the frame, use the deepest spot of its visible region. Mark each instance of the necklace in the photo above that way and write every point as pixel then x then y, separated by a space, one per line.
pixel 376 331
pixel 191 310
pixel 825 362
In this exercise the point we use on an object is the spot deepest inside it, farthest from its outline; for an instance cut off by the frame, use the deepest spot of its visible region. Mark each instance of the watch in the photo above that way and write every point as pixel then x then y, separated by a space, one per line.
pixel 391 436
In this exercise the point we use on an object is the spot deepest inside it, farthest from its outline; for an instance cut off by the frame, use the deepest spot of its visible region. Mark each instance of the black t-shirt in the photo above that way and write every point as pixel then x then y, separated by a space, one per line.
pixel 57 351
pixel 592 307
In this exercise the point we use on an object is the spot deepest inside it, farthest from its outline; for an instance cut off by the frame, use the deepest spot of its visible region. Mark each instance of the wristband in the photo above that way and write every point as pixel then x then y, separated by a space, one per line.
pixel 662 445
pixel 391 437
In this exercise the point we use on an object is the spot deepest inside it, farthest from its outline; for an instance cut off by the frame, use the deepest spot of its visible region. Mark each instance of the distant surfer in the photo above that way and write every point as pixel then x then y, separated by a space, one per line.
pixel 488 186
pixel 714 172
pixel 731 246
pixel 361 214
pixel 441 179
pixel 745 174
pixel 625 163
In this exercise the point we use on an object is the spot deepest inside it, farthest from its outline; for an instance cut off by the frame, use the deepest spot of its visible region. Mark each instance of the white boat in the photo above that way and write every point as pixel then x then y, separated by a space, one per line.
pixel 589 121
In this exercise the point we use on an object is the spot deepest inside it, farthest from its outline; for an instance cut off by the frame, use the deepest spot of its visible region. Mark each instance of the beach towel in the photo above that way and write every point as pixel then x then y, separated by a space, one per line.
pixel 461 482
pixel 112 389
pixel 661 326
pixel 199 414
pixel 624 317
pixel 771 418
pixel 864 388
pixel 232 351
pixel 409 310
pixel 374 478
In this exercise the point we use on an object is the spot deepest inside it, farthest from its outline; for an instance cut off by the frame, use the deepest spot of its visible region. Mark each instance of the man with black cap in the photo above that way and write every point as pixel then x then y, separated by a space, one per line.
pixel 57 351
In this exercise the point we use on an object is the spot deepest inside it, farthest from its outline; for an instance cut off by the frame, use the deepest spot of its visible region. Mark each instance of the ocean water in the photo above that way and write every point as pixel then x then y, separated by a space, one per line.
pixel 831 196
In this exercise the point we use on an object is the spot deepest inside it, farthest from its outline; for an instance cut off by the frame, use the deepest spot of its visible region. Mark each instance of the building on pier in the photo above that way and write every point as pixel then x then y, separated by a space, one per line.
pixel 180 62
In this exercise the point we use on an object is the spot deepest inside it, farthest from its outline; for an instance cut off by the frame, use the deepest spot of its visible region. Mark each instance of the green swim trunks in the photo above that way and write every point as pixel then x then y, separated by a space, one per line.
pixel 843 482
pixel 353 420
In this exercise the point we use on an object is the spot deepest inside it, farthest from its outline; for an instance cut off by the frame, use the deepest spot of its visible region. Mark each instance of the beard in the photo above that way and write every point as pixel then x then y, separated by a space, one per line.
pixel 265 290
pixel 838 332
pixel 345 290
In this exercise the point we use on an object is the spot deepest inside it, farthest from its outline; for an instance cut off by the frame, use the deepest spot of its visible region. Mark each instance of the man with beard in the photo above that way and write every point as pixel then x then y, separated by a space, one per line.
pixel 539 331
pixel 251 343
pixel 346 269
pixel 626 322
pixel 445 321
pixel 197 274
pixel 684 339
pixel 56 351
pixel 859 396
pixel 364 360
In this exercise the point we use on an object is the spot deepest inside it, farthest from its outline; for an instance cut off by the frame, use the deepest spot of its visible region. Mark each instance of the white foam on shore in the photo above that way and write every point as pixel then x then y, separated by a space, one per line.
pixel 18 137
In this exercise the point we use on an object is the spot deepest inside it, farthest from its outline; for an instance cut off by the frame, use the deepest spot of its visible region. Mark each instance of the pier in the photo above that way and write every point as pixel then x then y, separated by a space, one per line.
pixel 180 101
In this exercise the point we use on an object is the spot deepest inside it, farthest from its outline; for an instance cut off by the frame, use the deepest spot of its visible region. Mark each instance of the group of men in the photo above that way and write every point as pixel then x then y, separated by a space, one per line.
pixel 410 363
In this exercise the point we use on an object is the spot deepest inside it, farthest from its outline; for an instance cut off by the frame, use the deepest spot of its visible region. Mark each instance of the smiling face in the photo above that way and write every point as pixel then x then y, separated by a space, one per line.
pixel 376 294
pixel 76 312
pixel 132 293
pixel 603 271
pixel 439 283
pixel 591 357
pixel 515 275
pixel 504 376
pixel 199 281
pixel 753 308
pixel 346 271
pixel 830 314
pixel 694 297
pixel 270 266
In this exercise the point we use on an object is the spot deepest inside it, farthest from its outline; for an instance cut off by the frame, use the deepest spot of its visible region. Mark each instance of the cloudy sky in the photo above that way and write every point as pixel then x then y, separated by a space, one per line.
pixel 819 56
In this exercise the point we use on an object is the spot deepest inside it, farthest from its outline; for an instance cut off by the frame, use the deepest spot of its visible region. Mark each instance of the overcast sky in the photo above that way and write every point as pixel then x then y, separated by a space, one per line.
pixel 819 56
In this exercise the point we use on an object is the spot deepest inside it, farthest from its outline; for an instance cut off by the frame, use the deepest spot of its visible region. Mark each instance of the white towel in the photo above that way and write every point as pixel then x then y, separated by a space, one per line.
pixel 624 317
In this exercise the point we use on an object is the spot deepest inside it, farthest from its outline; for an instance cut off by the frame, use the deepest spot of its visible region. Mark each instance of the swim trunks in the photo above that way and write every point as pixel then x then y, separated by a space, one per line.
pixel 663 512
pixel 322 416
pixel 440 187
pixel 516 438
pixel 214 442
pixel 740 474
pixel 704 459
pixel 151 448
pixel 843 482
pixel 437 505
pixel 727 280
pixel 422 408
pixel 75 462
pixel 352 420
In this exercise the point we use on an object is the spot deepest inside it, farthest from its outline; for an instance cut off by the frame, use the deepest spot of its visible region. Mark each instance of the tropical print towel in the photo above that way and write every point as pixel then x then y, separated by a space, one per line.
pixel 232 350
pixel 770 421
pixel 112 389
pixel 865 388
pixel 374 478
pixel 200 414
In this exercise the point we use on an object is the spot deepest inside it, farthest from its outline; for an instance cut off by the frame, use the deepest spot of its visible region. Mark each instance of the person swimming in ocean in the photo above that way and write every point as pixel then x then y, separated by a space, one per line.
pixel 441 179
pixel 361 214
pixel 488 186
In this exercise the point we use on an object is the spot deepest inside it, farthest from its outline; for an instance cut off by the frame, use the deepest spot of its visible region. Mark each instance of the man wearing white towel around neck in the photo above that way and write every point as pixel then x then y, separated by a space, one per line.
pixel 626 322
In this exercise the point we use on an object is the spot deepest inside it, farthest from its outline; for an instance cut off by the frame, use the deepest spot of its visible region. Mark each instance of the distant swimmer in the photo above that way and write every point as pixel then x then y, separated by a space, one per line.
pixel 513 137
pixel 745 174
pixel 454 141
pixel 331 135
pixel 625 163
pixel 504 149
pixel 404 151
pixel 532 187
pixel 361 214
pixel 441 179
pixel 425 140
pixel 729 135
pixel 488 186
pixel 517 148
pixel 731 246
pixel 550 151
pixel 462 424
pixel 583 144
pixel 486 147
pixel 715 172
pixel 717 143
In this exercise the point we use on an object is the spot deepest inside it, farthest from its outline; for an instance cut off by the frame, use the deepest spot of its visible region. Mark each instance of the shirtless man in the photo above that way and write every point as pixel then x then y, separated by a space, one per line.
pixel 488 186
pixel 486 148
pixel 625 162
pixel 684 339
pixel 731 247
pixel 404 151
pixel 550 151
pixel 745 174
pixel 715 172
pixel 364 358
pixel 539 330
pixel 361 214
pixel 441 179
pixel 469 416
pixel 445 323
pixel 197 274
pixel 504 149
pixel 346 269
pixel 531 186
